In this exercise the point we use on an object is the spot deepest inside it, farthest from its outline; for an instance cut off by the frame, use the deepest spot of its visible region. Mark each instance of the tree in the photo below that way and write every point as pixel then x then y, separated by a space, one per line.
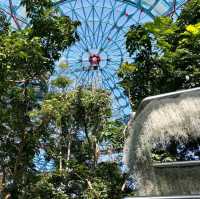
pixel 190 14
pixel 26 60
pixel 80 119
pixel 165 56
pixel 138 78
pixel 77 113
pixel 69 127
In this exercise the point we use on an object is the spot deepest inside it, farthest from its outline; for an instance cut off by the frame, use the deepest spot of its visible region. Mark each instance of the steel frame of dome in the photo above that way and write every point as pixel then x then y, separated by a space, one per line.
pixel 94 60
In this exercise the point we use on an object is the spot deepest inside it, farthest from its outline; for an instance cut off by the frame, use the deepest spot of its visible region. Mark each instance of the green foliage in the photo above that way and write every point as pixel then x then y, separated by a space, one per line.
pixel 138 40
pixel 26 61
pixel 165 55
pixel 61 82
pixel 113 135
pixel 36 8
pixel 79 182
pixel 176 150
pixel 68 126
pixel 44 188
pixel 162 156
pixel 80 120
pixel 4 25
pixel 63 64
pixel 74 112
pixel 190 14
pixel 163 31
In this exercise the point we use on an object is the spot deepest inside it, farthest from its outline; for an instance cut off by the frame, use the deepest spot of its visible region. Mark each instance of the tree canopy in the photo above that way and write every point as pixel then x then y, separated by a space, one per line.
pixel 68 127
pixel 27 60
pixel 75 127
pixel 78 122
pixel 165 55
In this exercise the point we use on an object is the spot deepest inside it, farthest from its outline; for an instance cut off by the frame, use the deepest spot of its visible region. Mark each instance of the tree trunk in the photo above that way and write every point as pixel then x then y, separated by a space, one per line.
pixel 69 147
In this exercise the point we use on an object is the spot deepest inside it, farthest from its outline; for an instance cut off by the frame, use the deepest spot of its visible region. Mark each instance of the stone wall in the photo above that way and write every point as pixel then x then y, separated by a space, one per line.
pixel 168 180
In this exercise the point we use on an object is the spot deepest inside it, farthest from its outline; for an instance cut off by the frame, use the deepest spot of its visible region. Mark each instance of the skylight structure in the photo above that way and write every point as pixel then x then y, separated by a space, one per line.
pixel 93 61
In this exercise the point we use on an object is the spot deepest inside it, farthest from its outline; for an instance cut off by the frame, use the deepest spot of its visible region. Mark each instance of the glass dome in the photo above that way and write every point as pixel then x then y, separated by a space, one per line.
pixel 94 60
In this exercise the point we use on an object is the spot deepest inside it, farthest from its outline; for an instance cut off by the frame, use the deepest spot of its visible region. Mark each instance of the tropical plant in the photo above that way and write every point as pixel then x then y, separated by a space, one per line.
pixel 165 55
pixel 27 60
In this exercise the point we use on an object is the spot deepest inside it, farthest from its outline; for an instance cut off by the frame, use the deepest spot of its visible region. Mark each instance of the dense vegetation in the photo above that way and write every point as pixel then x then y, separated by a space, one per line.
pixel 68 127
pixel 26 61
pixel 71 127
pixel 165 58
pixel 165 55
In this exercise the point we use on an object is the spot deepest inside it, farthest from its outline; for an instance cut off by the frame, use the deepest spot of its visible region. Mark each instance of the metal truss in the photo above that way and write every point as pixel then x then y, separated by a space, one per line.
pixel 94 60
